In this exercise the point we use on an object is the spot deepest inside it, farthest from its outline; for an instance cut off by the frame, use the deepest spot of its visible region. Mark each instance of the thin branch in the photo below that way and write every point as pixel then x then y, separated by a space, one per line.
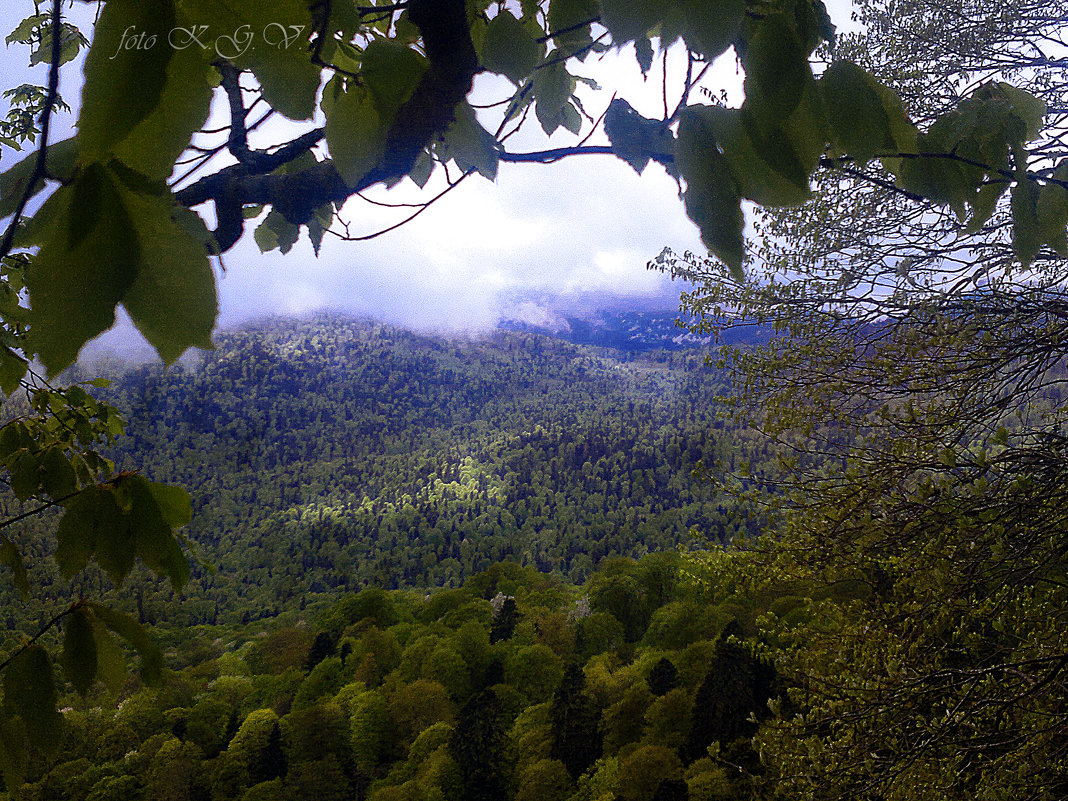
pixel 44 629
pixel 40 170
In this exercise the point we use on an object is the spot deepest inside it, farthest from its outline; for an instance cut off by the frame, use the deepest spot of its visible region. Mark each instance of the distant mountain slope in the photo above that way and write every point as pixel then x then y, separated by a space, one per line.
pixel 333 454
pixel 639 331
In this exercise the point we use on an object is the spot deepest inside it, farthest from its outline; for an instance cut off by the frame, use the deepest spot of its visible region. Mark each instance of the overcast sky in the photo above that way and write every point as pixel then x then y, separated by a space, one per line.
pixel 540 241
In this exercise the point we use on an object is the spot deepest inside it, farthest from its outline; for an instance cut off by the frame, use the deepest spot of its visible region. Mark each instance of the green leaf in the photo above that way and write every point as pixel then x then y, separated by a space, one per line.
pixel 1053 210
pixel 865 117
pixel 93 525
pixel 423 169
pixel 984 204
pixel 12 370
pixel 174 503
pixel 1029 109
pixel 286 233
pixel 266 237
pixel 570 118
pixel 158 140
pixel 124 77
pixel 391 72
pixel 552 89
pixel 509 49
pixel 57 475
pixel 132 631
pixel 88 261
pixel 1026 234
pixel 564 14
pixel 156 543
pixel 30 692
pixel 172 301
pixel 626 20
pixel 25 475
pixel 59 163
pixel 630 134
pixel 470 144
pixel 712 198
pixel 268 38
pixel 765 166
pixel 776 70
pixel 79 651
pixel 934 174
pixel 10 556
pixel 110 662
pixel 355 134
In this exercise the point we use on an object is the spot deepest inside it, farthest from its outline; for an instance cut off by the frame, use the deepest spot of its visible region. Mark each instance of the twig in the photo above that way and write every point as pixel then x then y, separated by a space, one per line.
pixel 40 170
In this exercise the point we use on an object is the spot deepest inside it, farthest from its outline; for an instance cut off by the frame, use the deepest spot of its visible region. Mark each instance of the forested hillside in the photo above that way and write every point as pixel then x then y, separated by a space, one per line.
pixel 331 455
pixel 515 686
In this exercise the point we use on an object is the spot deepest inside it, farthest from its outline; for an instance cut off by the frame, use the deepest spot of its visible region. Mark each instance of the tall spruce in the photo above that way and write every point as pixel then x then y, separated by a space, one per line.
pixel 478 744
pixel 576 735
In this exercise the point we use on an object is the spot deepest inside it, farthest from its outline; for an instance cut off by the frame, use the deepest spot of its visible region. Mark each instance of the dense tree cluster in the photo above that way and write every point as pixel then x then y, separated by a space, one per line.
pixel 389 695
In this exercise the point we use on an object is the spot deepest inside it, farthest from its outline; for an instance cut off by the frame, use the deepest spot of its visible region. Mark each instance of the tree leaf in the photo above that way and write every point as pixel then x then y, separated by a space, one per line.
pixel 286 233
pixel 172 301
pixel 855 111
pixel 14 751
pixel 423 169
pixel 626 20
pixel 110 662
pixel 30 692
pixel 132 631
pixel 782 183
pixel 270 39
pixel 627 132
pixel 125 72
pixel 88 261
pixel 552 89
pixel 1029 109
pixel 1026 234
pixel 79 651
pixel 776 70
pixel 174 503
pixel 1053 210
pixel 57 474
pixel 391 72
pixel 59 163
pixel 712 198
pixel 155 542
pixel 470 144
pixel 93 526
pixel 355 135
pixel 565 14
pixel 709 28
pixel 10 556
pixel 12 370
pixel 158 140
pixel 25 475
pixel 509 49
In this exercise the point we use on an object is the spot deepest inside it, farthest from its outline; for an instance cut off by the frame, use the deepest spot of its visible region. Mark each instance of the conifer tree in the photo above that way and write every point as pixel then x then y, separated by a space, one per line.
pixel 576 737
pixel 478 746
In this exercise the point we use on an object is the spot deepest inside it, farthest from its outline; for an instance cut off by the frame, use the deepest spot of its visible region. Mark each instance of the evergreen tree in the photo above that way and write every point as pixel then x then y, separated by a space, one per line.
pixel 505 621
pixel 270 761
pixel 737 686
pixel 576 736
pixel 672 790
pixel 663 678
pixel 478 746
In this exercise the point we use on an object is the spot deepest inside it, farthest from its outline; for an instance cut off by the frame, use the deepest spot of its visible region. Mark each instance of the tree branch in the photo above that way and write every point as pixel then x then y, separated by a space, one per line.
pixel 426 115
pixel 40 170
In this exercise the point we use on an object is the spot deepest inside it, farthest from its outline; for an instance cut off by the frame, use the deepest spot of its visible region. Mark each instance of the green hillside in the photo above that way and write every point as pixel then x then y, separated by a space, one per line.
pixel 331 455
